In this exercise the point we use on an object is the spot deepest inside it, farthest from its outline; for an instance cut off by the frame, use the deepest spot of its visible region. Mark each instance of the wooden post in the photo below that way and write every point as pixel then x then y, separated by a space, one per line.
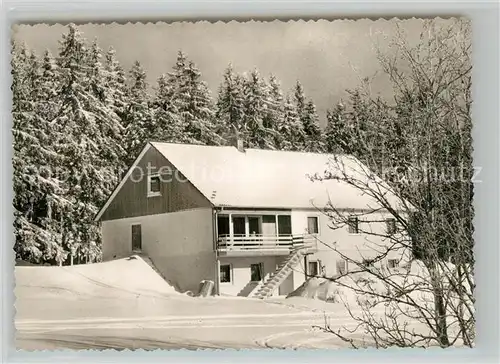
pixel 231 228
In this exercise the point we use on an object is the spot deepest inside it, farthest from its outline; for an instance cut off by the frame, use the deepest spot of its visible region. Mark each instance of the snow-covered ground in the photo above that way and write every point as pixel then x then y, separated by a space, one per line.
pixel 125 304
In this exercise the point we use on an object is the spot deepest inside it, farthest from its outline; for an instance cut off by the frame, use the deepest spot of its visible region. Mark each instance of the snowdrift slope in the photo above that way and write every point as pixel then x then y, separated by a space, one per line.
pixel 124 288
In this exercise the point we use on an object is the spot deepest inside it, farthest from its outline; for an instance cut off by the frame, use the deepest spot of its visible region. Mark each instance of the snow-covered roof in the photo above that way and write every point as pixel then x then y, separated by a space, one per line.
pixel 258 178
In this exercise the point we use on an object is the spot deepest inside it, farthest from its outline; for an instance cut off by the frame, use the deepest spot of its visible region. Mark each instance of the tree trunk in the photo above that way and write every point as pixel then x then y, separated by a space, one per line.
pixel 440 310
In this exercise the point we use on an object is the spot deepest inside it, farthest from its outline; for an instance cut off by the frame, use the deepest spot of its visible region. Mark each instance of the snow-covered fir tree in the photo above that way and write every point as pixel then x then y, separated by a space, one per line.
pixel 291 132
pixel 28 245
pixel 138 115
pixel 87 133
pixel 116 84
pixel 230 107
pixel 167 124
pixel 256 102
pixel 274 111
pixel 192 101
pixel 306 111
pixel 313 134
pixel 337 133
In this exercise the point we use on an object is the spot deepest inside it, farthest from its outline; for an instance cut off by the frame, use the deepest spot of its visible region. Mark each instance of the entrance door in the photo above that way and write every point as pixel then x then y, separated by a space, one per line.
pixel 256 272
pixel 269 225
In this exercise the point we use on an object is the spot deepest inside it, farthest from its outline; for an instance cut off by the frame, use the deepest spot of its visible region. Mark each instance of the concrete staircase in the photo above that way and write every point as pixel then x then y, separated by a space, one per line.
pixel 282 272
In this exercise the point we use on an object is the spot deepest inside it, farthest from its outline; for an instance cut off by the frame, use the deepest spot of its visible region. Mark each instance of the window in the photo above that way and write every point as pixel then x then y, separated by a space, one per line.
pixel 256 272
pixel 313 268
pixel 284 225
pixel 223 225
pixel 353 223
pixel 225 273
pixel 312 225
pixel 154 185
pixel 390 226
pixel 341 266
pixel 392 263
pixel 368 264
pixel 136 238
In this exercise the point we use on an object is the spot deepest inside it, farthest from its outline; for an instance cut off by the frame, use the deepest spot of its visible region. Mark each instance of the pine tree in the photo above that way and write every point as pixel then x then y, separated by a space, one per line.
pixel 27 245
pixel 167 124
pixel 88 139
pixel 338 138
pixel 192 100
pixel 256 102
pixel 230 107
pixel 291 132
pixel 116 83
pixel 306 112
pixel 299 99
pixel 138 116
pixel 36 184
pixel 102 97
pixel 313 134
pixel 274 112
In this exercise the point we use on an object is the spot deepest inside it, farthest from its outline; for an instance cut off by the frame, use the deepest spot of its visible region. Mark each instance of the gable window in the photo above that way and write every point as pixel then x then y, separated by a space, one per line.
pixel 256 272
pixel 312 225
pixel 136 238
pixel 154 185
pixel 313 268
pixel 225 273
pixel 390 226
pixel 353 224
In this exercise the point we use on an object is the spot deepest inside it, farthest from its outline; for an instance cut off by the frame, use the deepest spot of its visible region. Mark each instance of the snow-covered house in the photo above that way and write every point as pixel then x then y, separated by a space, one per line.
pixel 249 220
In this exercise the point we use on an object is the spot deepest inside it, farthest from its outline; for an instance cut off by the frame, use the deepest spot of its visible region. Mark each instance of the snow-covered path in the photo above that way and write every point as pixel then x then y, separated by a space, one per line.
pixel 235 331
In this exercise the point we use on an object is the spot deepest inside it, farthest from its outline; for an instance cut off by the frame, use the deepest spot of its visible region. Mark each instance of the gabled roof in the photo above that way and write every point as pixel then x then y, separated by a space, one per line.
pixel 267 179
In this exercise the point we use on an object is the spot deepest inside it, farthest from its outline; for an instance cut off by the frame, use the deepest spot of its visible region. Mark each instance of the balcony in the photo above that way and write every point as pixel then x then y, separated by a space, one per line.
pixel 260 245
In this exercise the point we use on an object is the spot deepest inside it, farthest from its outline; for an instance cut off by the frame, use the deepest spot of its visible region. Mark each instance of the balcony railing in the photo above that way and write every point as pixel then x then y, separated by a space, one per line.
pixel 258 242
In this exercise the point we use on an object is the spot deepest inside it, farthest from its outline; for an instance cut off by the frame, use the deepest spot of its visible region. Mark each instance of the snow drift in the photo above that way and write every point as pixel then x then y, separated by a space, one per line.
pixel 413 279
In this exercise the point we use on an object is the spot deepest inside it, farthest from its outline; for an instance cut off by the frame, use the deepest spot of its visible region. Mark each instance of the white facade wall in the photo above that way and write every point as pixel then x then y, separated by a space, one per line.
pixel 352 245
pixel 180 244
pixel 240 272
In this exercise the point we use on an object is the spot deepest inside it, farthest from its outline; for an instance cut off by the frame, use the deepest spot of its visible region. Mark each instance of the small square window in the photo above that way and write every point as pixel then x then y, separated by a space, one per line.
pixel 225 273
pixel 353 224
pixel 154 185
pixel 368 263
pixel 392 263
pixel 390 226
pixel 312 225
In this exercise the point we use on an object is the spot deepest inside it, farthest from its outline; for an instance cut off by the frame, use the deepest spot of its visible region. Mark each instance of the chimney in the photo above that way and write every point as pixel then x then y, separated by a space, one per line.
pixel 237 141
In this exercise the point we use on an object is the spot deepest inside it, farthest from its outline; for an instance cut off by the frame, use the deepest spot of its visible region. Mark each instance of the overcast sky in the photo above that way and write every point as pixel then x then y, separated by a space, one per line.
pixel 327 57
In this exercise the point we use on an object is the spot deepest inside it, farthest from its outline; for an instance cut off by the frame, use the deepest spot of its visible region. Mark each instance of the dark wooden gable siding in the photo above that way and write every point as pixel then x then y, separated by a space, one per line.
pixel 176 193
